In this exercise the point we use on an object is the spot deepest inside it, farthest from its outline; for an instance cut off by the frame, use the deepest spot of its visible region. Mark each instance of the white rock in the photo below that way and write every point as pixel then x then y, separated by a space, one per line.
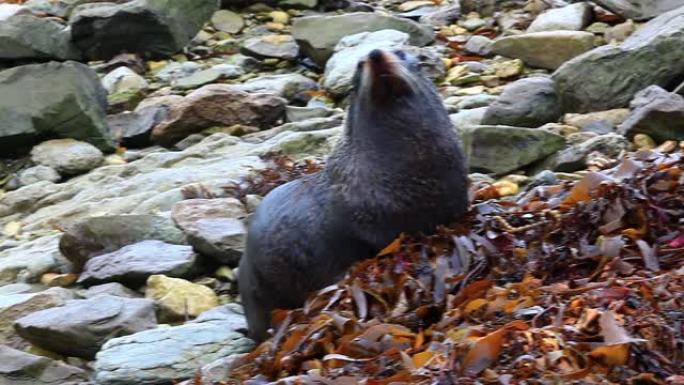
pixel 123 79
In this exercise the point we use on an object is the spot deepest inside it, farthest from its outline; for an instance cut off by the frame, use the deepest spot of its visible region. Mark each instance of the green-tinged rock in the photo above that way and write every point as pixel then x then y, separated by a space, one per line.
pixel 178 299
pixel 227 21
pixel 609 76
pixel 502 149
pixel 52 99
pixel 25 36
pixel 656 113
pixel 20 368
pixel 529 102
pixel 544 49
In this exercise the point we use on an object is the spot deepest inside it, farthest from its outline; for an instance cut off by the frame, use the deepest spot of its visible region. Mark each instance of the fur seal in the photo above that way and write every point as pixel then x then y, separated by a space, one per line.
pixel 398 168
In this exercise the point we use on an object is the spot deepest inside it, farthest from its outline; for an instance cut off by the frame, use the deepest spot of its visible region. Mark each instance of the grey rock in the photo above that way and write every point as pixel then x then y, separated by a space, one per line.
pixel 19 368
pixel 271 46
pixel 483 7
pixel 176 70
pixel 317 36
pixel 59 8
pixel 340 68
pixel 639 9
pixel 293 87
pixel 476 101
pixel 231 313
pixel 600 122
pixel 575 158
pixel 529 102
pixel 134 128
pixel 133 264
pixel 158 28
pixel 502 149
pixel 52 99
pixel 574 17
pixel 472 23
pixel 28 197
pixel 313 124
pixel 547 49
pixel 227 21
pixel 123 79
pixel 229 70
pixel 442 16
pixel 298 114
pixel 28 261
pixel 111 289
pixel 25 36
pixel 9 10
pixel 67 156
pixel 217 105
pixel 94 236
pixel 656 113
pixel 299 4
pixel 213 227
pixel 81 327
pixel 197 79
pixel 479 45
pixel 164 355
pixel 15 306
pixel 609 76
pixel 469 117
pixel 37 174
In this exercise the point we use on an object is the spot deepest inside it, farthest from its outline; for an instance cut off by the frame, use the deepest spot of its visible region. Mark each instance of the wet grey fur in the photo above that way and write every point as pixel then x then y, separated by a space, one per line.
pixel 399 168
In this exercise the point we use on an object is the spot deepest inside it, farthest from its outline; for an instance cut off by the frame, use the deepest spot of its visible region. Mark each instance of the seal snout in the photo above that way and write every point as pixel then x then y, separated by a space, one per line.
pixel 379 62
pixel 383 75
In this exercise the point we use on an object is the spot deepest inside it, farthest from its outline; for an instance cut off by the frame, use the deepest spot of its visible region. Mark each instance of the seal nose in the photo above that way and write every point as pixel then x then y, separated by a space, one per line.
pixel 379 62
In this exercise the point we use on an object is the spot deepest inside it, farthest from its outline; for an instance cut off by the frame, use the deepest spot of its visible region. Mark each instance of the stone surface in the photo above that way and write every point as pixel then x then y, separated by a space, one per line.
pixel 479 45
pixel 134 128
pixel 123 79
pixel 28 261
pixel 271 46
pixel 639 9
pixel 547 49
pixel 609 76
pixel 98 235
pixel 112 288
pixel 67 156
pixel 197 79
pixel 574 158
pixel 442 16
pixel 157 28
pixel 468 117
pixel 37 174
pixel 340 68
pixel 179 299
pixel 213 227
pixel 52 99
pixel 133 264
pixel 227 21
pixel 317 36
pixel 81 327
pixel 656 113
pixel 164 355
pixel 502 149
pixel 20 368
pixel 25 36
pixel 529 102
pixel 15 306
pixel 572 17
pixel 600 122
pixel 293 87
pixel 217 105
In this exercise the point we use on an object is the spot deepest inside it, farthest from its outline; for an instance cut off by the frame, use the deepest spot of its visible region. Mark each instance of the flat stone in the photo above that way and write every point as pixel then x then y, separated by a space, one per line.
pixel 479 45
pixel 547 49
pixel 271 46
pixel 28 37
pixel 134 128
pixel 293 87
pixel 30 260
pixel 133 264
pixel 165 355
pixel 609 76
pixel 639 10
pixel 178 299
pixel 317 36
pixel 574 158
pixel 37 174
pixel 81 327
pixel 502 149
pixel 227 21
pixel 573 17
pixel 656 113
pixel 99 235
pixel 197 79
pixel 111 288
pixel 600 122
pixel 67 156
pixel 20 368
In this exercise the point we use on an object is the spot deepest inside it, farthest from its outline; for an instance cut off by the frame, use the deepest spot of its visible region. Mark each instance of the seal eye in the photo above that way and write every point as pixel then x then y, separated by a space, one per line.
pixel 400 54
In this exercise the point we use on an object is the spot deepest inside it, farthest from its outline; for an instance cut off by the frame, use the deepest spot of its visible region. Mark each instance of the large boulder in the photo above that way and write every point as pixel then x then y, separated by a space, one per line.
pixel 656 113
pixel 81 327
pixel 165 355
pixel 52 99
pixel 156 28
pixel 218 105
pixel 529 102
pixel 318 35
pixel 639 9
pixel 502 149
pixel 547 49
pixel 25 36
pixel 20 368
pixel 609 76
pixel 133 264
